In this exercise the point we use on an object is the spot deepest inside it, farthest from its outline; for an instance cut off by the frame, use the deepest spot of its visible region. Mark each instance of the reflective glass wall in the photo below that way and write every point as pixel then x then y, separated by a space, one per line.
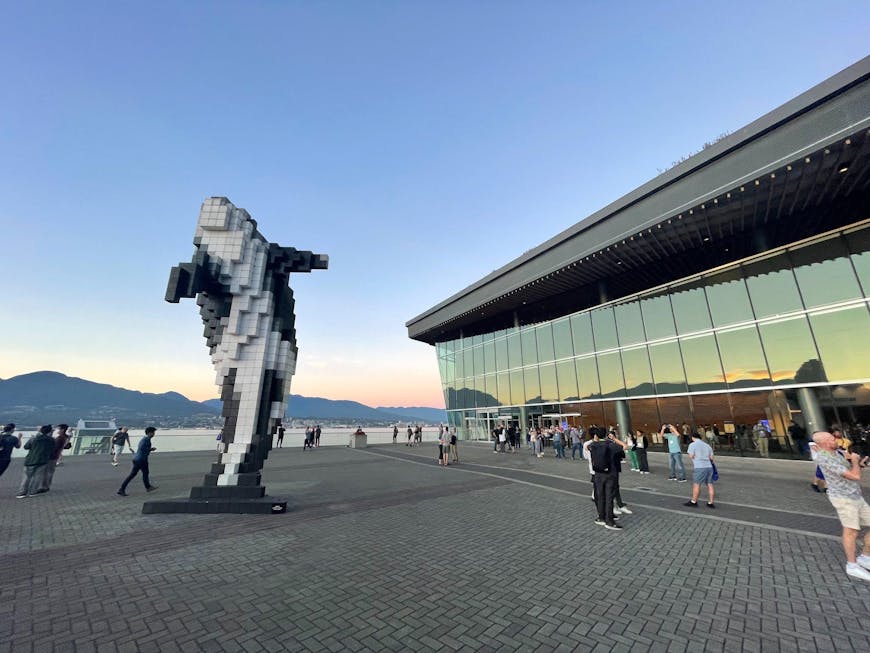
pixel 727 346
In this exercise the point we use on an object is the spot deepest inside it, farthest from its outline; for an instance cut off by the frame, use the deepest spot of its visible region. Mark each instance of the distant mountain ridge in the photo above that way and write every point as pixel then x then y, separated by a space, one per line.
pixel 51 397
pixel 54 397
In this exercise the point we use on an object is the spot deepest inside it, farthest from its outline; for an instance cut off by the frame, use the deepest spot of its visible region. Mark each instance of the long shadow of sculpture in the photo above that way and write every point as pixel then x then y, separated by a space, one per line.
pixel 240 281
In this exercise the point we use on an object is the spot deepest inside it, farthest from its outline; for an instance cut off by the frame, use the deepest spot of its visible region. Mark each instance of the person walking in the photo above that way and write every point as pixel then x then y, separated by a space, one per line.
pixel 280 435
pixel 701 455
pixel 61 442
pixel 843 474
pixel 641 445
pixel 8 442
pixel 140 463
pixel 40 448
pixel 454 449
pixel 675 454
pixel 120 438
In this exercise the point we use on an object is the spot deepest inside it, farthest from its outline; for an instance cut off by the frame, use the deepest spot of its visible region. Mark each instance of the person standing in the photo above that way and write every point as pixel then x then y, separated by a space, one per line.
pixel 762 437
pixel 40 448
pixel 604 455
pixel 280 435
pixel 641 445
pixel 317 435
pixel 701 454
pixel 120 438
pixel 309 438
pixel 395 432
pixel 8 442
pixel 219 439
pixel 61 442
pixel 675 454
pixel 631 451
pixel 410 435
pixel 798 435
pixel 140 463
pixel 557 443
pixel 576 443
pixel 454 449
pixel 843 474
pixel 502 439
pixel 443 447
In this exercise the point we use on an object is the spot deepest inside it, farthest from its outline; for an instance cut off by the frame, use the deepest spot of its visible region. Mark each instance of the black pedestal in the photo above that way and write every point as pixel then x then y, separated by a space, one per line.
pixel 217 505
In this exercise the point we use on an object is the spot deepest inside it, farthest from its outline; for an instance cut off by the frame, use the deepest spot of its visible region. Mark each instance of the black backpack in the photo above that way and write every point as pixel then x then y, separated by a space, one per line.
pixel 601 458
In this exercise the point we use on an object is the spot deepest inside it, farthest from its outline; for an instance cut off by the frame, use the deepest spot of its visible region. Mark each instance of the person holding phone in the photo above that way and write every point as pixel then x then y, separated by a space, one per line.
pixel 669 433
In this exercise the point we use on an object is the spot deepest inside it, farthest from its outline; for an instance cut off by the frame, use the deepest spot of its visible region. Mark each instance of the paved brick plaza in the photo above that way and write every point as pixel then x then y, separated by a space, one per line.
pixel 384 550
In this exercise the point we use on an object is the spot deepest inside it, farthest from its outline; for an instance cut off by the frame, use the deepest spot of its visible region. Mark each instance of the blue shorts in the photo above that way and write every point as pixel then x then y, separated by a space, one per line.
pixel 703 475
pixel 819 474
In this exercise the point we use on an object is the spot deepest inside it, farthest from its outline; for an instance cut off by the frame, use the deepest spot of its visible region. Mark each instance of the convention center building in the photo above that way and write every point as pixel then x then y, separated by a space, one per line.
pixel 731 289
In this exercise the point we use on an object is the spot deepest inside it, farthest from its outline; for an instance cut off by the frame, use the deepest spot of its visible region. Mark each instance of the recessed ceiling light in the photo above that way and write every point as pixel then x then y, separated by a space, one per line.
pixel 844 169
pixel 706 238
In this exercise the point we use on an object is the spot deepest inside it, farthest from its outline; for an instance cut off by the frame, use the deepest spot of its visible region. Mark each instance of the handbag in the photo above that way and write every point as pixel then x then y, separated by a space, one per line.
pixel 715 476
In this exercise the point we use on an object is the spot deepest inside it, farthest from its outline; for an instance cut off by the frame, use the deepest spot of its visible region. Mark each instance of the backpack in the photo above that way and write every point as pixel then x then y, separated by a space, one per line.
pixel 601 459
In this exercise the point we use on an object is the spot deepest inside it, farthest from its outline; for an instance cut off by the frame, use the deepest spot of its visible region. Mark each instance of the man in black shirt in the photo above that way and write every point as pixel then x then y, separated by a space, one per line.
pixel 606 456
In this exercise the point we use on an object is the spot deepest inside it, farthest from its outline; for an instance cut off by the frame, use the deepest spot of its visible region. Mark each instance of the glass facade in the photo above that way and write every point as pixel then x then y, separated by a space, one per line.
pixel 726 348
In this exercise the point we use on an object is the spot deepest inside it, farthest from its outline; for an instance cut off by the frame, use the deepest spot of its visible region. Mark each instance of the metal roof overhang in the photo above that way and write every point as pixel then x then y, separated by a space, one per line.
pixel 799 170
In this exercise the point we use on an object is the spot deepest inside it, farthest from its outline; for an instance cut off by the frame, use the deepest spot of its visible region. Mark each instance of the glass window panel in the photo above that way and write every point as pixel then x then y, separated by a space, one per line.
pixel 450 346
pixel 489 356
pixel 581 333
pixel 460 365
pixel 478 360
pixel 728 298
pixel 772 286
pixel 533 385
pixel 476 340
pixel 530 349
pixel 518 394
pixel 439 349
pixel 701 362
pixel 562 338
pixel 843 341
pixel 450 368
pixel 859 245
pixel 610 375
pixel 567 378
pixel 711 409
pixel 461 394
pixel 824 273
pixel 609 409
pixel 468 361
pixel 658 317
pixel 604 328
pixel 587 377
pixel 676 411
pixel 593 413
pixel 501 354
pixel 791 352
pixel 442 369
pixel 515 355
pixel 743 358
pixel 504 388
pixel 629 323
pixel 690 309
pixel 544 338
pixel 635 367
pixel 749 407
pixel 490 390
pixel 667 368
pixel 549 389
pixel 644 416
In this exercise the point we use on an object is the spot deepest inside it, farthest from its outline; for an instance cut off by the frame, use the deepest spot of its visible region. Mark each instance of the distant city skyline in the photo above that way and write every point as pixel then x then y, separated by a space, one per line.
pixel 419 145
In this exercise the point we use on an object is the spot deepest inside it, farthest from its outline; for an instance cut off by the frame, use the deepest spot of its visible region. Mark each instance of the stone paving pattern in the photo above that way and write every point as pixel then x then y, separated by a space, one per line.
pixel 383 550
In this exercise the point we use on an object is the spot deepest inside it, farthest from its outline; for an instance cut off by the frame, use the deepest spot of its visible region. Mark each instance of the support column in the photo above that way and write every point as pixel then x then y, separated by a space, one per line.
pixel 814 417
pixel 524 421
pixel 623 417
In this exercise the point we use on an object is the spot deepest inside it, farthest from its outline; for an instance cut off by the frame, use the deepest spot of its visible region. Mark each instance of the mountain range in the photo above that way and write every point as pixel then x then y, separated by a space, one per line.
pixel 51 397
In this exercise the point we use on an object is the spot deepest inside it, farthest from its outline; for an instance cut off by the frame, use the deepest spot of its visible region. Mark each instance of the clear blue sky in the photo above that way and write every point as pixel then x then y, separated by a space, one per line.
pixel 419 144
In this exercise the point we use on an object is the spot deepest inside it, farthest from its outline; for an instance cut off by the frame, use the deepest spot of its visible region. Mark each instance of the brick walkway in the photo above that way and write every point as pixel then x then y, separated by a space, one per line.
pixel 384 550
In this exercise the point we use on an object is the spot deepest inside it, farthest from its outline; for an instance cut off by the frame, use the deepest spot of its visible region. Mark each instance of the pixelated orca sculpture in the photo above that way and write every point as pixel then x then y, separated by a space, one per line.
pixel 240 281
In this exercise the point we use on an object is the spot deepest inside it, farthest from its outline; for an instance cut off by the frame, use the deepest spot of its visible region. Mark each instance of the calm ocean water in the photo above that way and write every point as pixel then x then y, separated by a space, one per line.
pixel 205 439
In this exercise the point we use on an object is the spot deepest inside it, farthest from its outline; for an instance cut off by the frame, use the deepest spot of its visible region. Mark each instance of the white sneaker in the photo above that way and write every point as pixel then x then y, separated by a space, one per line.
pixel 864 561
pixel 618 511
pixel 625 510
pixel 856 571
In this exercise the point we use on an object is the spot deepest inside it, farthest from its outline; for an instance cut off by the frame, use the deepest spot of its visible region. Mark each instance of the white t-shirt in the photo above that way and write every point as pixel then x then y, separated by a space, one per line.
pixel 586 454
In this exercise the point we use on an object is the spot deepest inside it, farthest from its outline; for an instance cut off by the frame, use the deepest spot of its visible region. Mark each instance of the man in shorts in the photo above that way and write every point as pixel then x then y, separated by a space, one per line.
pixel 843 475
pixel 701 455
pixel 120 438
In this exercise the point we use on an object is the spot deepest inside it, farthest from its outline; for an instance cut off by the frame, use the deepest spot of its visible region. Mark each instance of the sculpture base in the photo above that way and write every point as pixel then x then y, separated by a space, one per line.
pixel 216 506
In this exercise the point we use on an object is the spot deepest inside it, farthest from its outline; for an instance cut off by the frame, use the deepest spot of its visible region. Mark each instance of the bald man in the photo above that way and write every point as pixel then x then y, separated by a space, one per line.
pixel 842 471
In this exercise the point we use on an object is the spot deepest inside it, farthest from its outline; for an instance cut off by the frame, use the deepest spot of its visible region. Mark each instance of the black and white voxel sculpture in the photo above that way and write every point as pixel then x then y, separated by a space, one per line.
pixel 240 281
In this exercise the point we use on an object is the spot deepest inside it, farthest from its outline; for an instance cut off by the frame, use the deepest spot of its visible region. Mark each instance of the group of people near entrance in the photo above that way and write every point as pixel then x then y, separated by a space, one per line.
pixel 44 453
